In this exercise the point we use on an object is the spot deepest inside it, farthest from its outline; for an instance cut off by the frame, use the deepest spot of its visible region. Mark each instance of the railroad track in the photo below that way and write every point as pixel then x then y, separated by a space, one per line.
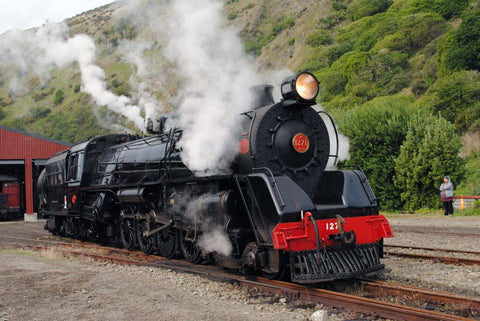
pixel 437 258
pixel 289 290
pixel 436 249
pixel 468 232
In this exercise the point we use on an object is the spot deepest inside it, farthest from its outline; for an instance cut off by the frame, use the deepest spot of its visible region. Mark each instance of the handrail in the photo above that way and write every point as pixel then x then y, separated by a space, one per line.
pixel 336 135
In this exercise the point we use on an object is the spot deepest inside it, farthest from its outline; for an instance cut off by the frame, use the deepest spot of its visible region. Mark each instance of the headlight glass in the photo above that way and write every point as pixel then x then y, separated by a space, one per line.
pixel 306 86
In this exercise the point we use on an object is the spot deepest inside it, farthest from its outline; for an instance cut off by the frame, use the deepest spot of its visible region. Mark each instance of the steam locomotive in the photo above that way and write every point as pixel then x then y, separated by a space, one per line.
pixel 279 210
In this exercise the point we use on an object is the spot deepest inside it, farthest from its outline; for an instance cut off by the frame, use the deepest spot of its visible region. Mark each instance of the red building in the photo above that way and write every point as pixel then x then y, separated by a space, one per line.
pixel 23 155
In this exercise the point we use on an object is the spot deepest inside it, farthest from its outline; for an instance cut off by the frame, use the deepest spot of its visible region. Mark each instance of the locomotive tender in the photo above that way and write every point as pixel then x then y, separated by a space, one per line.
pixel 279 210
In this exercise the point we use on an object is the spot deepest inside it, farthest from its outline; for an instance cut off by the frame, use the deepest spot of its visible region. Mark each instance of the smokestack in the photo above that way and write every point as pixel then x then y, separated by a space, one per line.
pixel 261 96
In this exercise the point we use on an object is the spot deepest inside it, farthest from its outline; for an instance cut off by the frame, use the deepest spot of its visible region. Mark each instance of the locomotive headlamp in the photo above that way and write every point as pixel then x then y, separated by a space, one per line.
pixel 303 87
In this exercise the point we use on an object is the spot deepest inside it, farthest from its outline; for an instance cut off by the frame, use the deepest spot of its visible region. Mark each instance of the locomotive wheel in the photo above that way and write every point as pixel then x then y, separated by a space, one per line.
pixel 191 251
pixel 167 242
pixel 80 231
pixel 281 274
pixel 147 244
pixel 127 233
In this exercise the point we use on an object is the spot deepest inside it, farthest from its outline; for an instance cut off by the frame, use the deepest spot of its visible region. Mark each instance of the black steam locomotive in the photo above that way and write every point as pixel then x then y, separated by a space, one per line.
pixel 279 210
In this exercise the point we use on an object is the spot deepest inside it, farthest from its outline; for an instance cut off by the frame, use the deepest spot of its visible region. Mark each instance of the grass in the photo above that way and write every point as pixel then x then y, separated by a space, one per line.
pixel 21 252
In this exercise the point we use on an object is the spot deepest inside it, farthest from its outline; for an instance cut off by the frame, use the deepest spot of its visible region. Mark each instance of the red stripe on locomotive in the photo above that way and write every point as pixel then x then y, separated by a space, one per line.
pixel 300 236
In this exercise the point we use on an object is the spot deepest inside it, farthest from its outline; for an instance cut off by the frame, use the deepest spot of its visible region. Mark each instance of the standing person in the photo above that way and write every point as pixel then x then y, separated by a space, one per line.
pixel 446 192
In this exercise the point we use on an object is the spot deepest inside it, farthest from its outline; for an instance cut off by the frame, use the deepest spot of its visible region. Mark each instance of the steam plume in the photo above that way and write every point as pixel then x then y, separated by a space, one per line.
pixel 49 47
pixel 217 75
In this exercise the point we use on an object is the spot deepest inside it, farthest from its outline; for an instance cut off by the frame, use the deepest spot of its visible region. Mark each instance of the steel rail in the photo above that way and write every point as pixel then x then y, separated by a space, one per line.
pixel 437 249
pixel 326 297
pixel 406 229
pixel 428 295
pixel 441 259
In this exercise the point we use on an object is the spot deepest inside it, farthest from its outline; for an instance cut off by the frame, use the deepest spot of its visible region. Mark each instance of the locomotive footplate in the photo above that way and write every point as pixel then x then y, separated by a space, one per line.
pixel 329 264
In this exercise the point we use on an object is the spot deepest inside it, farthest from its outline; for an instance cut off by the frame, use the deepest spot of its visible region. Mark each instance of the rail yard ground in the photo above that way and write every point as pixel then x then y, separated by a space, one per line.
pixel 48 286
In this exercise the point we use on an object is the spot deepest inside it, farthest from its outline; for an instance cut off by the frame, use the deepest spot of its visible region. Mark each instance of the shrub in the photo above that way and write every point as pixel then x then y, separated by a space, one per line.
pixel 335 52
pixel 115 83
pixel 76 89
pixel 39 112
pixel 376 131
pixel 399 81
pixel 362 8
pixel 338 6
pixel 318 39
pixel 419 29
pixel 419 86
pixel 385 65
pixel 114 41
pixel 332 20
pixel 429 152
pixel 352 63
pixel 281 25
pixel 461 48
pixel 447 8
pixel 332 82
pixel 58 99
pixel 232 15
pixel 394 42
pixel 291 41
pixel 456 97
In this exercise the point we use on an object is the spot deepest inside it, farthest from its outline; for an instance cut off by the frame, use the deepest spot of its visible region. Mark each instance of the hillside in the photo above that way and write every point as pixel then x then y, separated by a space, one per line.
pixel 423 53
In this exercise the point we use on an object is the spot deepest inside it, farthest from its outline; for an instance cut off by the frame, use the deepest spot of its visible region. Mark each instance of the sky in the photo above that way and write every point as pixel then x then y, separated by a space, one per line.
pixel 24 14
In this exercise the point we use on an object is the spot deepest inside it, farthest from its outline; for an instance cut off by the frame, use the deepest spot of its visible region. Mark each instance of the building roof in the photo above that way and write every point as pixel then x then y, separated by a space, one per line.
pixel 21 132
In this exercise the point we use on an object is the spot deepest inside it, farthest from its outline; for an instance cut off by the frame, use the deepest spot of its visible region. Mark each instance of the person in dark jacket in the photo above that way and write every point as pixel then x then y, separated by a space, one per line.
pixel 446 193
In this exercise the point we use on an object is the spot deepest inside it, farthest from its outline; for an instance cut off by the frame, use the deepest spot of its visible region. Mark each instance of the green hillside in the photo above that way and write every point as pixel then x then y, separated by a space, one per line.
pixel 403 63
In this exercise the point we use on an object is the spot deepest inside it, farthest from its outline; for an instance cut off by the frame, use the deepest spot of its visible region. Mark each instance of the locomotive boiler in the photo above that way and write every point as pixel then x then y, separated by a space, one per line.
pixel 278 210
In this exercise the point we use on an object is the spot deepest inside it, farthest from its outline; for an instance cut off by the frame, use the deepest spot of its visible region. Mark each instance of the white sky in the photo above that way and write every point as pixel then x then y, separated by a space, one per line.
pixel 24 14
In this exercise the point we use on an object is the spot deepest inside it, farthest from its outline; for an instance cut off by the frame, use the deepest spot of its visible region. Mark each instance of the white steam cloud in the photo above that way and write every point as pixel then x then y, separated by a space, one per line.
pixel 215 91
pixel 215 240
pixel 49 47
pixel 214 237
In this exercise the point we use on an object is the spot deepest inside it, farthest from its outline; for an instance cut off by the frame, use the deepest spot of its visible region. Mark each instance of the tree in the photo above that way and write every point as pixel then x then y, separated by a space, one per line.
pixel 376 131
pixel 429 152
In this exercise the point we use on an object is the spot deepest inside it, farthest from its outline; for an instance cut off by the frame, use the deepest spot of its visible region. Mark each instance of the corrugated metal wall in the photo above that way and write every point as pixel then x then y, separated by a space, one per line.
pixel 18 145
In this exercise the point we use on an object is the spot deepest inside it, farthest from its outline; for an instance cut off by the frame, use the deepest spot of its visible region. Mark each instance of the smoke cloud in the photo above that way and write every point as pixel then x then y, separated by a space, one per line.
pixel 213 237
pixel 215 240
pixel 217 76
pixel 48 47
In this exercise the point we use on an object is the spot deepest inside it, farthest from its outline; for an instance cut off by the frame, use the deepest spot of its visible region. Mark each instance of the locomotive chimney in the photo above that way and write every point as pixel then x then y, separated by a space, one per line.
pixel 261 95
